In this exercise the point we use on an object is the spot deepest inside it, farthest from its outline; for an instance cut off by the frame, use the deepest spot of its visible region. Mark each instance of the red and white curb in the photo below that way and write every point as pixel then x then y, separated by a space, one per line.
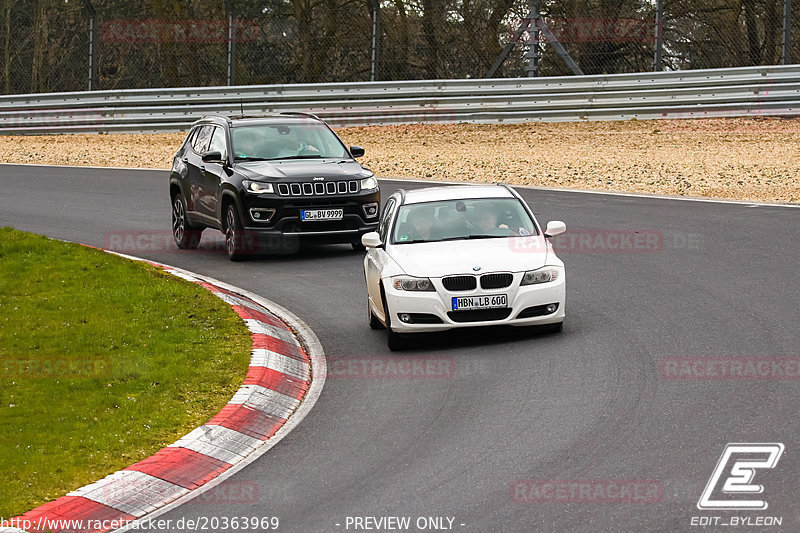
pixel 276 395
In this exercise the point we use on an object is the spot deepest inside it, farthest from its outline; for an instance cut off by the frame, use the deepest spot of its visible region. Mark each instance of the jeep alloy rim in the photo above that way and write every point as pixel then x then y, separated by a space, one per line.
pixel 178 219
pixel 230 230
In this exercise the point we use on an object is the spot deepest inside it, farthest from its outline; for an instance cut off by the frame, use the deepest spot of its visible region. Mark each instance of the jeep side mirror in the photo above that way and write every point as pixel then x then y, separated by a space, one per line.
pixel 356 151
pixel 213 157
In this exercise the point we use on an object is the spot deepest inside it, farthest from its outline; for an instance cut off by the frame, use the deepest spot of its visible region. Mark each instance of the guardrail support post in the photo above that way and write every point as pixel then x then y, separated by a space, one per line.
pixel 231 48
pixel 659 35
pixel 91 58
pixel 786 56
pixel 532 69
pixel 376 13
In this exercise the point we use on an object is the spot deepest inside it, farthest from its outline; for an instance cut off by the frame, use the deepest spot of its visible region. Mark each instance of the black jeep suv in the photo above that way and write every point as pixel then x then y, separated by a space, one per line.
pixel 269 182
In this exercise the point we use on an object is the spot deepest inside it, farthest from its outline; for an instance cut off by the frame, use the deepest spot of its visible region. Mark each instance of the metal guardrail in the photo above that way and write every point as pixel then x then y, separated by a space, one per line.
pixel 746 91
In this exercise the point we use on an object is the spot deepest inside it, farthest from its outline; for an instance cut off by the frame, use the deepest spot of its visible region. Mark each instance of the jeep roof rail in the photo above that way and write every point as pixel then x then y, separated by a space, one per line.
pixel 301 114
pixel 217 115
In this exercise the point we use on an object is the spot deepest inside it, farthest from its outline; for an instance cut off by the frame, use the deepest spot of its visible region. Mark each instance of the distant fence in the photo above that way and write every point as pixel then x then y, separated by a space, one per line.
pixel 745 91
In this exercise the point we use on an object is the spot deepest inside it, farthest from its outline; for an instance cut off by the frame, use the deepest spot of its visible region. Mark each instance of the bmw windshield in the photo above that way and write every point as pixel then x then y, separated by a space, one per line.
pixel 267 142
pixel 479 218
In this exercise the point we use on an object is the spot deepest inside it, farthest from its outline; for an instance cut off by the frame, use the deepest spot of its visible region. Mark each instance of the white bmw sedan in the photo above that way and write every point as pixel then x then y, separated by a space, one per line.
pixel 461 256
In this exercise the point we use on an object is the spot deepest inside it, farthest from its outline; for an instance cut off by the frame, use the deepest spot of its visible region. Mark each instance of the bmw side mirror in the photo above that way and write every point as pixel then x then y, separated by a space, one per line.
pixel 213 157
pixel 555 227
pixel 356 151
pixel 371 240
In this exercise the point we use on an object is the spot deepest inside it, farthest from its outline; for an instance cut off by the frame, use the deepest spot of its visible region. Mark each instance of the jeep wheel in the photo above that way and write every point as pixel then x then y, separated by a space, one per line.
pixel 234 235
pixel 185 236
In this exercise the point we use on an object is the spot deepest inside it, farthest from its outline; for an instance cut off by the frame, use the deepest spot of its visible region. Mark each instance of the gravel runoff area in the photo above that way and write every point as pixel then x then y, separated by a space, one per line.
pixel 741 158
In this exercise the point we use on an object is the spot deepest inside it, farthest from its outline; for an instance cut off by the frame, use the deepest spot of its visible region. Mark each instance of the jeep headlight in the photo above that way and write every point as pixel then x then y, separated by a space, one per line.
pixel 257 187
pixel 407 283
pixel 369 183
pixel 542 275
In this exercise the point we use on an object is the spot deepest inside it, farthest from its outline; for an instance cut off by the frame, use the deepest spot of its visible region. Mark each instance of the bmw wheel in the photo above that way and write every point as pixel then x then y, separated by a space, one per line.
pixel 394 341
pixel 374 323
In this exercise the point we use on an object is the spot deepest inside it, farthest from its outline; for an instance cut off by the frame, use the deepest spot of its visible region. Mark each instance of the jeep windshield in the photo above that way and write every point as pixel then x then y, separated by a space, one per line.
pixel 450 220
pixel 268 142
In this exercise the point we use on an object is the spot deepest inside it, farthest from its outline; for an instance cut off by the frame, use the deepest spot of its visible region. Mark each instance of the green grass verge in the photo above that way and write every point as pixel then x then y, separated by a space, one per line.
pixel 103 361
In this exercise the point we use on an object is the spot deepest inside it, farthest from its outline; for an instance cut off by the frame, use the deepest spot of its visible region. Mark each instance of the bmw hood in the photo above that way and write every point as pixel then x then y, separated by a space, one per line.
pixel 302 169
pixel 438 259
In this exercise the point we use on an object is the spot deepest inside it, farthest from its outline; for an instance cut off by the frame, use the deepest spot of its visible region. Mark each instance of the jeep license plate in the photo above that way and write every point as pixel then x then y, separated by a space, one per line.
pixel 321 214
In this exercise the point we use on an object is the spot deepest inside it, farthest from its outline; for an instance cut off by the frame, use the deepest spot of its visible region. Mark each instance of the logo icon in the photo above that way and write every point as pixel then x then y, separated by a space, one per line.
pixel 476 268
pixel 745 459
pixel 319 178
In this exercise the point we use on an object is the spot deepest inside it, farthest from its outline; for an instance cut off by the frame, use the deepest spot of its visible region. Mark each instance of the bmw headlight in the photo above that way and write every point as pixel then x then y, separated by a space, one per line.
pixel 542 275
pixel 369 183
pixel 407 283
pixel 257 187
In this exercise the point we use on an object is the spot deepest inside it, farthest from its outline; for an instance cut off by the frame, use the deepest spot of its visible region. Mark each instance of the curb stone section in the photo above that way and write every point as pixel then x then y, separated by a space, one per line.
pixel 277 382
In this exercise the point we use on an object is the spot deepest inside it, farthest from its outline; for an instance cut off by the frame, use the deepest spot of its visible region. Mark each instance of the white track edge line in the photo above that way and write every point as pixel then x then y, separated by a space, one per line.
pixel 653 196
pixel 318 373
pixel 751 203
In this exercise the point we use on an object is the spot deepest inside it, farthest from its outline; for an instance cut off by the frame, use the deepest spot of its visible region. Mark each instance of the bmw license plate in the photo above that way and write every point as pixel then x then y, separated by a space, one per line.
pixel 321 214
pixel 480 302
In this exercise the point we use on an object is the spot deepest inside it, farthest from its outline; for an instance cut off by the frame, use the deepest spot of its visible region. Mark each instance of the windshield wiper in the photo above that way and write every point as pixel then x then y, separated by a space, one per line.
pixel 248 158
pixel 415 241
pixel 466 237
pixel 460 238
pixel 297 157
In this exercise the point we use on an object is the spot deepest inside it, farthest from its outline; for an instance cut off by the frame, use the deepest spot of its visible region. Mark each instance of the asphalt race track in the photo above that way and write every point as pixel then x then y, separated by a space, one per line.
pixel 590 403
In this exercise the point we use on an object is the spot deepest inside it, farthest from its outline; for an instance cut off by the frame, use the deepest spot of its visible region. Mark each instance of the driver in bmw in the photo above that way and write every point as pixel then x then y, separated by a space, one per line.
pixel 486 222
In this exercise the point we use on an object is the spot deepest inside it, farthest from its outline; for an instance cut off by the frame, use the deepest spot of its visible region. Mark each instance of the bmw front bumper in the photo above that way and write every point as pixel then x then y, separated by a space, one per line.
pixel 427 311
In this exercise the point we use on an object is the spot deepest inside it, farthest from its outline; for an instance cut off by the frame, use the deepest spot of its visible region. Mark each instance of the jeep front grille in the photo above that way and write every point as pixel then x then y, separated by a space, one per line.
pixel 328 188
